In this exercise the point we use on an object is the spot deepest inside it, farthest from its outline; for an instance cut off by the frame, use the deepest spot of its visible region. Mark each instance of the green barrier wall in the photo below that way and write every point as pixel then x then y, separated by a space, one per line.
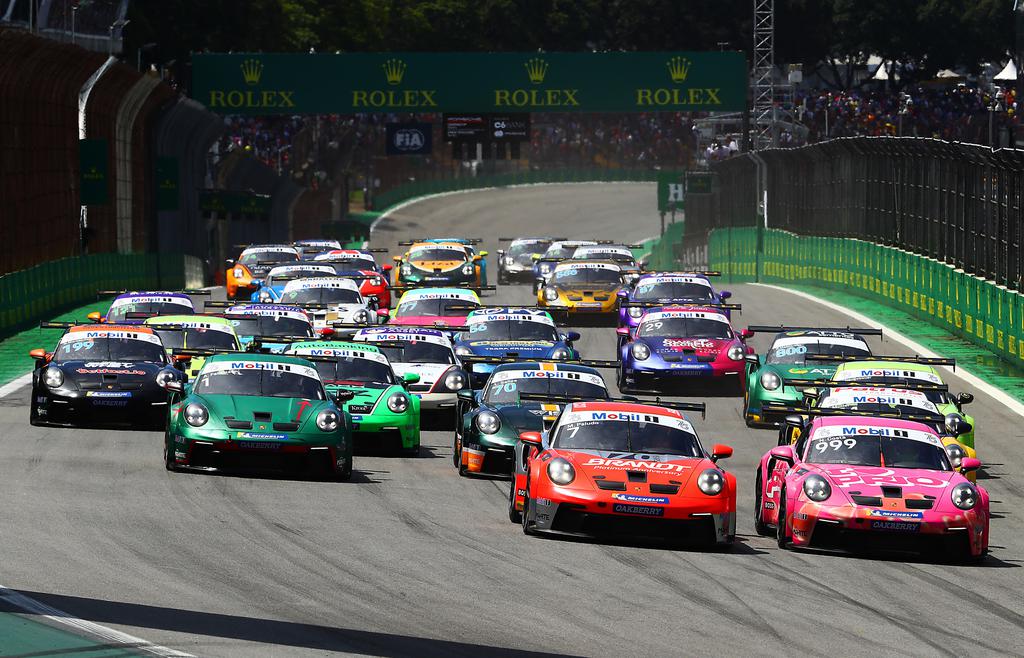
pixel 420 188
pixel 990 316
pixel 29 296
pixel 662 256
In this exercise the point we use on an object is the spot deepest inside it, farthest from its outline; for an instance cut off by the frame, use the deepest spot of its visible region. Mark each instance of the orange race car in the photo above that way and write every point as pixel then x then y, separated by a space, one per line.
pixel 244 275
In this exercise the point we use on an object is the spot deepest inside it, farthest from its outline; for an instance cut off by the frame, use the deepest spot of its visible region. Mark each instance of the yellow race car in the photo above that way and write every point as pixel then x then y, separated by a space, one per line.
pixel 584 289
pixel 438 264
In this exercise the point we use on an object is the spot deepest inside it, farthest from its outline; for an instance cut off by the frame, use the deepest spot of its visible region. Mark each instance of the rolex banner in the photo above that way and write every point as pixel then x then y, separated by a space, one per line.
pixel 295 83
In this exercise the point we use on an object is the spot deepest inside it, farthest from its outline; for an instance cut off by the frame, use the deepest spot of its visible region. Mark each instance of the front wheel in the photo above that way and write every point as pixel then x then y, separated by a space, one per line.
pixel 760 526
pixel 514 515
pixel 781 536
pixel 525 516
pixel 169 462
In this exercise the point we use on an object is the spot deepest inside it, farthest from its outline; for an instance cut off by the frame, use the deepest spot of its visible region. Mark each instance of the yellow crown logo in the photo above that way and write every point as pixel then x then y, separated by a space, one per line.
pixel 252 70
pixel 678 68
pixel 536 68
pixel 394 69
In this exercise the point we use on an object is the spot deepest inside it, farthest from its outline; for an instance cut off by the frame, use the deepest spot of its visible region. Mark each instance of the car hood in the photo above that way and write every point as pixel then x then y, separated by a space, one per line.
pixel 431 265
pixel 580 288
pixel 657 469
pixel 803 372
pixel 428 372
pixel 526 417
pixel 870 480
pixel 244 407
pixel 111 371
pixel 680 346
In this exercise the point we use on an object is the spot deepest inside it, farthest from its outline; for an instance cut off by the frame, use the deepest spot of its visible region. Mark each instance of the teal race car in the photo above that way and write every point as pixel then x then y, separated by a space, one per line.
pixel 788 359
pixel 258 412
pixel 385 416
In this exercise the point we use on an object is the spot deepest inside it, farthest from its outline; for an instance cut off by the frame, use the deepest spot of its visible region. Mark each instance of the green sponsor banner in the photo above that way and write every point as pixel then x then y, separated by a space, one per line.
pixel 231 201
pixel 671 190
pixel 167 183
pixel 93 175
pixel 290 83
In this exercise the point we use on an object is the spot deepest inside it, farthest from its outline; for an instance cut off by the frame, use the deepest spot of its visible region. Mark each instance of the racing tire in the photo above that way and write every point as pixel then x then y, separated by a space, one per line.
pixel 412 452
pixel 344 475
pixel 620 381
pixel 514 515
pixel 457 457
pixel 169 463
pixel 781 538
pixel 760 527
pixel 525 517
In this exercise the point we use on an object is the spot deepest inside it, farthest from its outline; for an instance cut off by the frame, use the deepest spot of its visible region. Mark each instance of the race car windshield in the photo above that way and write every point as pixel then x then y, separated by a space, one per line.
pixel 877 407
pixel 935 397
pixel 508 391
pixel 351 264
pixel 435 308
pixel 109 349
pixel 587 276
pixel 285 277
pixel 627 436
pixel 261 383
pixel 511 330
pixel 418 351
pixel 878 451
pixel 606 255
pixel 560 252
pixel 322 296
pixel 351 369
pixel 197 338
pixel 268 257
pixel 525 248
pixel 257 325
pixel 120 313
pixel 685 327
pixel 673 290
pixel 797 354
pixel 437 254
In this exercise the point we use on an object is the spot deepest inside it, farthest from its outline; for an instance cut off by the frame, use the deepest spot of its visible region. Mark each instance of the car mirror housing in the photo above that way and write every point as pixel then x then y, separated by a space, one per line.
pixel 725 294
pixel 964 398
pixel 572 336
pixel 784 453
pixel 466 395
pixel 38 354
pixel 410 378
pixel 795 421
pixel 343 396
pixel 968 464
pixel 530 438
pixel 753 360
pixel 95 317
pixel 719 451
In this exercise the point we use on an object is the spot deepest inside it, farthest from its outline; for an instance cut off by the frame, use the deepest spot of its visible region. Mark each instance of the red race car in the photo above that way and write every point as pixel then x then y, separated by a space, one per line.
pixel 360 265
pixel 616 467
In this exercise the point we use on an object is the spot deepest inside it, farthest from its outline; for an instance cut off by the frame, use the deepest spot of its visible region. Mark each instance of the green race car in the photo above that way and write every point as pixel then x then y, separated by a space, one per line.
pixel 195 332
pixel 384 413
pixel 258 411
pixel 790 357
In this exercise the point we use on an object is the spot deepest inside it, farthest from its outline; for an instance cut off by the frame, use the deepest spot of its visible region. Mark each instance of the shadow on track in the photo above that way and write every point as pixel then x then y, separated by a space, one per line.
pixel 268 631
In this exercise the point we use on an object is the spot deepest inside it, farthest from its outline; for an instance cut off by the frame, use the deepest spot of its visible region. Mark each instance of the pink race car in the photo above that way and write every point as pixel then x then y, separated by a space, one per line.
pixel 856 481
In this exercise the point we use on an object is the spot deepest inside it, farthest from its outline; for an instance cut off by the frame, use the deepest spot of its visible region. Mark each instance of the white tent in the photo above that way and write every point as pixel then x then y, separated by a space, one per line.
pixel 1009 72
pixel 947 73
pixel 882 74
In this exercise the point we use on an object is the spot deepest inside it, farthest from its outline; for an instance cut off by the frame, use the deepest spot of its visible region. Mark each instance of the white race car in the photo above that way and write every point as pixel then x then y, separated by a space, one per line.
pixel 328 300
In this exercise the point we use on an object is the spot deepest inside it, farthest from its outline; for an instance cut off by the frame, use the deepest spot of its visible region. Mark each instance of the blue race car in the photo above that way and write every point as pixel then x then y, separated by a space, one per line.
pixel 137 307
pixel 270 289
pixel 517 332
pixel 667 288
pixel 267 326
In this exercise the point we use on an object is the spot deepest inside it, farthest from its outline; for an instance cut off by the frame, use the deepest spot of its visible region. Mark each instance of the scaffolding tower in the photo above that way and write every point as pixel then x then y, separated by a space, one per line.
pixel 764 74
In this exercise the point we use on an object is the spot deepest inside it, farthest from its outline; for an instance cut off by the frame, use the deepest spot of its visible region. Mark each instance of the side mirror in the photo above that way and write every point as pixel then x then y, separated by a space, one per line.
pixel 622 294
pixel 795 421
pixel 95 317
pixel 784 454
pixel 501 252
pixel 484 253
pixel 753 360
pixel 39 354
pixel 397 259
pixel 174 386
pixel 466 395
pixel 325 331
pixel 623 331
pixel 964 398
pixel 812 393
pixel 719 451
pixel 410 378
pixel 572 335
pixel 746 333
pixel 343 396
pixel 386 267
pixel 724 294
pixel 536 257
pixel 477 259
pixel 531 438
pixel 968 464
pixel 382 313
pixel 229 262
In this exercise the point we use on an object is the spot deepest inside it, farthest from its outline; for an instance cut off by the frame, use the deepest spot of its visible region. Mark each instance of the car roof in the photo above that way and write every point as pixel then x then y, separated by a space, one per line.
pixel 134 328
pixel 454 293
pixel 558 367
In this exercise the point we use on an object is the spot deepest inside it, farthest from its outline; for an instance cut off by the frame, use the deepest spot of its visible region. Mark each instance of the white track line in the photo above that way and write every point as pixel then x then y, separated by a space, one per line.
pixel 14 385
pixel 1006 400
pixel 115 638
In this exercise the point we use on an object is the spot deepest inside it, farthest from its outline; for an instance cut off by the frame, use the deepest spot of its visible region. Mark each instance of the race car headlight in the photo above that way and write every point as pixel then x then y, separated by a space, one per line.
pixel 467 269
pixel 964 496
pixel 164 377
pixel 455 381
pixel 406 269
pixel 53 377
pixel 375 282
pixel 736 353
pixel 196 415
pixel 544 269
pixel 398 403
pixel 710 482
pixel 561 472
pixel 327 420
pixel 361 317
pixel 550 294
pixel 952 420
pixel 488 422
pixel 770 381
pixel 640 351
pixel 462 350
pixel 239 272
pixel 956 454
pixel 265 296
pixel 817 488
pixel 635 311
pixel 562 353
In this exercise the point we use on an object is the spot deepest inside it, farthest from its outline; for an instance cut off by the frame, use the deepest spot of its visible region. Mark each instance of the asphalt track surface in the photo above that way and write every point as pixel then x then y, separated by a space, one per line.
pixel 410 559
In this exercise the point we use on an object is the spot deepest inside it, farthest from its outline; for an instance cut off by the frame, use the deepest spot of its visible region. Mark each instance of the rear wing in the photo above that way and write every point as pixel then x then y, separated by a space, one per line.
pixel 559 315
pixel 680 272
pixel 421 286
pixel 590 363
pixel 828 383
pixel 920 360
pixel 65 325
pixel 189 291
pixel 409 243
pixel 778 329
pixel 541 239
pixel 817 412
pixel 192 352
pixel 726 307
pixel 569 399
pixel 229 304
